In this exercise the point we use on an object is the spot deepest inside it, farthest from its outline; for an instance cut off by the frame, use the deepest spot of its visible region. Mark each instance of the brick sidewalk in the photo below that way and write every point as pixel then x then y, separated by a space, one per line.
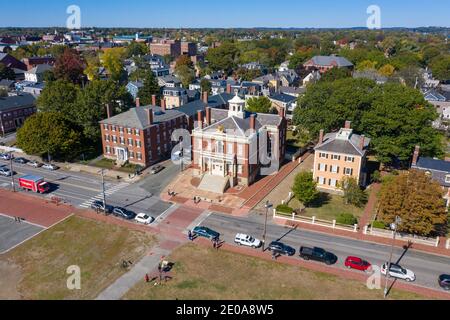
pixel 348 274
pixel 367 216
pixel 33 209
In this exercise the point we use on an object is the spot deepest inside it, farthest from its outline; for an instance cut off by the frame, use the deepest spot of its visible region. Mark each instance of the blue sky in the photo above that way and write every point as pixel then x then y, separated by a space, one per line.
pixel 226 13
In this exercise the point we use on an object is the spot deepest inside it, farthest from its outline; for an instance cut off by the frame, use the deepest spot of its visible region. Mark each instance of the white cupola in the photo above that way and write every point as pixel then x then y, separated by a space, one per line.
pixel 237 105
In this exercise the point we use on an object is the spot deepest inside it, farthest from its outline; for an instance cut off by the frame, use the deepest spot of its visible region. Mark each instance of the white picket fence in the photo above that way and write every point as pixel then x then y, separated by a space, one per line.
pixel 315 221
pixel 433 242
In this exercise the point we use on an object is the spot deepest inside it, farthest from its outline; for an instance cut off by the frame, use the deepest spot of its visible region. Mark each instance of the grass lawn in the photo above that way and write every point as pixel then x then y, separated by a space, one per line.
pixel 292 140
pixel 40 264
pixel 327 207
pixel 109 164
pixel 202 273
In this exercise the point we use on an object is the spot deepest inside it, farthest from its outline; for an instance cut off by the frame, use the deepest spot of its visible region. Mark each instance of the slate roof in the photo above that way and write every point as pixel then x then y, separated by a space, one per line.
pixel 12 102
pixel 331 60
pixel 334 144
pixel 40 68
pixel 285 98
pixel 293 90
pixel 138 117
pixel 439 169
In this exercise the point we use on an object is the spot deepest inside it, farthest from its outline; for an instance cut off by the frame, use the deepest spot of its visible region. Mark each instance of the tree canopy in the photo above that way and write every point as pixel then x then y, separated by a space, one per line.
pixel 305 188
pixel 417 200
pixel 150 88
pixel 260 105
pixel 395 117
pixel 6 72
pixel 69 66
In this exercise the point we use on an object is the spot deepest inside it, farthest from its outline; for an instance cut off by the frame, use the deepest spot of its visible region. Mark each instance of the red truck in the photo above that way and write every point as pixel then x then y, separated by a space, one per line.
pixel 34 183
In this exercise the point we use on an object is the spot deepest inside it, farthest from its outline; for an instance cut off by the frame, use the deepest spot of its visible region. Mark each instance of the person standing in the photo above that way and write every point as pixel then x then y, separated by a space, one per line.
pixel 147 278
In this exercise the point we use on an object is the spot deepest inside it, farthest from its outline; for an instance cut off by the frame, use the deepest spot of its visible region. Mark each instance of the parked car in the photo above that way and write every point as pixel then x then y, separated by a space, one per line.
pixel 318 254
pixel 34 164
pixel 4 171
pixel 49 166
pixel 156 169
pixel 20 160
pixel 358 264
pixel 246 240
pixel 123 213
pixel 444 281
pixel 281 248
pixel 396 271
pixel 206 233
pixel 144 218
pixel 98 205
pixel 5 156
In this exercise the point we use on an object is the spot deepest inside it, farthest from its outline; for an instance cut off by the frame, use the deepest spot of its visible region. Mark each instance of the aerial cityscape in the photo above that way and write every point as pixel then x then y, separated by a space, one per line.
pixel 170 151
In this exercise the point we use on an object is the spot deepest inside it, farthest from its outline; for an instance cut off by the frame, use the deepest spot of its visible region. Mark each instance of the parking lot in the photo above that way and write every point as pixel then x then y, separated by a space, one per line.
pixel 13 233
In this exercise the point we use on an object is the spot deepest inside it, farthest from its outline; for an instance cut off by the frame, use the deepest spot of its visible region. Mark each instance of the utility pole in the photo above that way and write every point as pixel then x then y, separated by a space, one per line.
pixel 103 190
pixel 267 206
pixel 13 185
pixel 394 227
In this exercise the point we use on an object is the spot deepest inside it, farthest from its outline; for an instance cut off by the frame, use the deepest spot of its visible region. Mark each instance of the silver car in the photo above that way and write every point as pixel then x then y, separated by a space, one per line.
pixel 4 171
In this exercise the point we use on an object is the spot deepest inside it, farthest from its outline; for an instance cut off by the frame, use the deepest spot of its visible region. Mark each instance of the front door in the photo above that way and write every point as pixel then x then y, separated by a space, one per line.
pixel 218 169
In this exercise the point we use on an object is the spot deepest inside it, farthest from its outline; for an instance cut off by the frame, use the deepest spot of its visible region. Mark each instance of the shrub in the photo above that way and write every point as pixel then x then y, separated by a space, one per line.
pixel 284 208
pixel 379 225
pixel 346 218
pixel 376 176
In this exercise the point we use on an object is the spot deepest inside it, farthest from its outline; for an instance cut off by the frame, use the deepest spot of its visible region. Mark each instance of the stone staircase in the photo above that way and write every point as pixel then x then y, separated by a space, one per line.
pixel 215 184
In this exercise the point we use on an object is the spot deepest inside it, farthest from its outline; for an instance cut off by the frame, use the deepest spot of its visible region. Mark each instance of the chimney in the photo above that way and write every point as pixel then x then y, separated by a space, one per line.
pixel 348 124
pixel 153 99
pixel 229 88
pixel 416 155
pixel 208 116
pixel 200 119
pixel 321 135
pixel 362 142
pixel 163 104
pixel 150 116
pixel 253 122
pixel 109 111
pixel 138 102
pixel 205 97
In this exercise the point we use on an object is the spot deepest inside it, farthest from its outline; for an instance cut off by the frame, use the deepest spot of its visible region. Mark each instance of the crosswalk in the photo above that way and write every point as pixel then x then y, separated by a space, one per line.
pixel 108 192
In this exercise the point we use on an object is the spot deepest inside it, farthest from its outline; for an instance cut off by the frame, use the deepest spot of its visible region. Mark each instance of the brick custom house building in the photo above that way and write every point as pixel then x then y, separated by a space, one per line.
pixel 142 135
pixel 338 155
pixel 226 145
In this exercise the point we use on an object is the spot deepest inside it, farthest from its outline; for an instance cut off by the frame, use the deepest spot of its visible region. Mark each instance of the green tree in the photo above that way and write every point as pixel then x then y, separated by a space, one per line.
pixel 441 67
pixel 305 188
pixel 259 105
pixel 335 74
pixel 205 85
pixel 50 133
pixel 90 106
pixel 150 87
pixel 6 72
pixel 299 58
pixel 417 200
pixel 224 57
pixel 136 49
pixel 186 75
pixel 59 96
pixel 353 194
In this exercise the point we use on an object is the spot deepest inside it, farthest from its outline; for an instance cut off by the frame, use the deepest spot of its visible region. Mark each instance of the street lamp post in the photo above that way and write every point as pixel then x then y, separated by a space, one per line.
pixel 13 185
pixel 267 206
pixel 103 190
pixel 394 227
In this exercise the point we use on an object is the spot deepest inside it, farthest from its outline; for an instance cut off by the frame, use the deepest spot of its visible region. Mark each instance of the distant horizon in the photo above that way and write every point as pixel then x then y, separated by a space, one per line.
pixel 232 14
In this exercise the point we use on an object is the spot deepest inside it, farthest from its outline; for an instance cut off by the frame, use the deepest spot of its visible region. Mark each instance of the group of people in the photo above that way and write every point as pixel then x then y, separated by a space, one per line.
pixel 171 193
pixel 197 200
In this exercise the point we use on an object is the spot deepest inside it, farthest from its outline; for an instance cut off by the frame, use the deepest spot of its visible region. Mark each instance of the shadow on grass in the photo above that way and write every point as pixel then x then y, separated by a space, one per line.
pixel 322 199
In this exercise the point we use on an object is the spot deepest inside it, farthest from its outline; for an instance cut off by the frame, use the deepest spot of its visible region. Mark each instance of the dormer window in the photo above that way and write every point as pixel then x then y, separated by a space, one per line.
pixel 447 178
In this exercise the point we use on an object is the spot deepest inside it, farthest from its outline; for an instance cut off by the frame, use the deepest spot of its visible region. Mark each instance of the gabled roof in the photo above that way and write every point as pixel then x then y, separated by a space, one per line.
pixel 40 68
pixel 284 98
pixel 331 60
pixel 439 169
pixel 11 102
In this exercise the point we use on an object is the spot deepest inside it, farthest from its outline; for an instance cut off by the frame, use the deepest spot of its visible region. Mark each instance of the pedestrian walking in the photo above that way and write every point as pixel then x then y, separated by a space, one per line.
pixel 147 278
pixel 190 235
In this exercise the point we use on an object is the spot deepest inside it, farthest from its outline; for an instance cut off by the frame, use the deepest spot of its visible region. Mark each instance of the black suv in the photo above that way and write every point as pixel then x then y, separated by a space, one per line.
pixel 318 254
pixel 281 248
pixel 20 160
pixel 444 281
pixel 124 213
pixel 97 205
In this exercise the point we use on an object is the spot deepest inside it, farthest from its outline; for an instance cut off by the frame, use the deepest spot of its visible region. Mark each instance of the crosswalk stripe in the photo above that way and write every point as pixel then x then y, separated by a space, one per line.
pixel 108 192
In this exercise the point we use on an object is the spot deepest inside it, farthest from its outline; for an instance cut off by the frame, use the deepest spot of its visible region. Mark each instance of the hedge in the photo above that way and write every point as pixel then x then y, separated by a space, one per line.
pixel 379 225
pixel 284 208
pixel 346 218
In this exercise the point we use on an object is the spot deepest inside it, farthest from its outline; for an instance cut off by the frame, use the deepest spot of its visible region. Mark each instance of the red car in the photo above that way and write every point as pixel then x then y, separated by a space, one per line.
pixel 358 264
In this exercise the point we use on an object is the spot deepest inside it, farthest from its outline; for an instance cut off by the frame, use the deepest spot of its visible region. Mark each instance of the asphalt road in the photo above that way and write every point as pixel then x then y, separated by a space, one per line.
pixel 81 189
pixel 427 267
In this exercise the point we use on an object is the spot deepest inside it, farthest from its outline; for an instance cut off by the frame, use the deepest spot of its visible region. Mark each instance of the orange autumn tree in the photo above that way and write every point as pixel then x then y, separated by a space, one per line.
pixel 417 200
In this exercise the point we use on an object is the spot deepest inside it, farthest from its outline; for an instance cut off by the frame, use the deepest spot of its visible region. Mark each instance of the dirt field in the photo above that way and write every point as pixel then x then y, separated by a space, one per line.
pixel 202 273
pixel 37 269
